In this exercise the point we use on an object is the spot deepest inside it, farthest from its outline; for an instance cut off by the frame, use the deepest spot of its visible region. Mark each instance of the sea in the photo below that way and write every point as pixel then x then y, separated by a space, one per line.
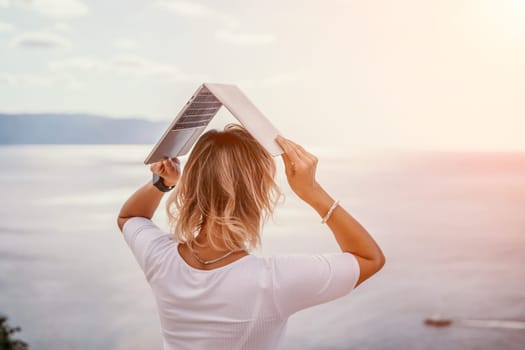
pixel 451 225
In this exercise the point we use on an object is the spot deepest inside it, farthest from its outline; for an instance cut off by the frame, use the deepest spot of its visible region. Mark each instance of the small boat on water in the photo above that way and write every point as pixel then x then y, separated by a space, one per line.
pixel 437 320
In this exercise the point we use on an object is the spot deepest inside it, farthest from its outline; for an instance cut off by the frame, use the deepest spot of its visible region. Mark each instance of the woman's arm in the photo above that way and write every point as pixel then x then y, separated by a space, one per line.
pixel 300 167
pixel 146 199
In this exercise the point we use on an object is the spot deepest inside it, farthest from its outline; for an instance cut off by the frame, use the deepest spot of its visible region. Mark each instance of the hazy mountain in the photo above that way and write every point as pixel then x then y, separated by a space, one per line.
pixel 76 129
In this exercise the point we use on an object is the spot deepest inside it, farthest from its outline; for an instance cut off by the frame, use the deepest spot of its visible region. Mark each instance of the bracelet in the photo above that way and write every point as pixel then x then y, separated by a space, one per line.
pixel 330 211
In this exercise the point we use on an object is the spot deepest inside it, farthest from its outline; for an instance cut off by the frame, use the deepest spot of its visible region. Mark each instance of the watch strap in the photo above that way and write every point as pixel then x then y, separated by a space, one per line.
pixel 159 183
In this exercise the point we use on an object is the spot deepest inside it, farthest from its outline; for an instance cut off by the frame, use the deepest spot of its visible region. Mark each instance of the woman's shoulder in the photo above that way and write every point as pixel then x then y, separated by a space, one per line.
pixel 305 263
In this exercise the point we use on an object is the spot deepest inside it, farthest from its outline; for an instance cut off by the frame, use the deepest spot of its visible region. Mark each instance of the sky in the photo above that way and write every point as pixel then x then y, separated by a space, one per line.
pixel 344 74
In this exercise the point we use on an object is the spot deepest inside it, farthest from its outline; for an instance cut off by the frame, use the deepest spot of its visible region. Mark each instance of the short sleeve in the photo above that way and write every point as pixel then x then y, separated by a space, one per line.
pixel 302 281
pixel 145 239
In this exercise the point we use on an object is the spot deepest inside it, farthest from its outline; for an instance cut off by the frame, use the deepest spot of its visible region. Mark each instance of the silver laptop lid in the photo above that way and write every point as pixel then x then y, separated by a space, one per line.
pixel 200 109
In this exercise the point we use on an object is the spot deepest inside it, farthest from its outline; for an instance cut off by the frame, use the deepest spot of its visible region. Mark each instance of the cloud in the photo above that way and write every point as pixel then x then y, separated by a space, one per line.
pixel 62 26
pixel 79 63
pixel 183 8
pixel 60 9
pixel 196 10
pixel 40 40
pixel 245 39
pixel 6 27
pixel 126 44
pixel 127 66
pixel 134 65
pixel 38 80
pixel 124 65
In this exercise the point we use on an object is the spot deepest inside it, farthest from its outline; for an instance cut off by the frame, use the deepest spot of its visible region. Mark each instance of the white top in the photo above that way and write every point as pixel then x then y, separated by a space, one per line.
pixel 243 305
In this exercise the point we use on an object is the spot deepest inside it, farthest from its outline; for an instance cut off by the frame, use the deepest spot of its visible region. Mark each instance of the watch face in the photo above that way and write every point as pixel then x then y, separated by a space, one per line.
pixel 156 178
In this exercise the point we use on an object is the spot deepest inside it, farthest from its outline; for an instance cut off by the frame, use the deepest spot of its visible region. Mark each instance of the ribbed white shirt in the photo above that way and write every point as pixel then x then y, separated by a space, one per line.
pixel 243 305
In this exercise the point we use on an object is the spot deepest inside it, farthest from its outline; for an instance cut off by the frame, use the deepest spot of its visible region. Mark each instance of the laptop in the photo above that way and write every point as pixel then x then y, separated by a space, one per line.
pixel 200 109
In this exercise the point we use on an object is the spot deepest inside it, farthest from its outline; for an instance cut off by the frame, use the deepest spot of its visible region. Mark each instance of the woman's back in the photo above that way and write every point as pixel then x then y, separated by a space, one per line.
pixel 242 305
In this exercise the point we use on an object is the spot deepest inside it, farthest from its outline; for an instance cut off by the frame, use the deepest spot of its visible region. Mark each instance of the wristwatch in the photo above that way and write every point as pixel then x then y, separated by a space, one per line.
pixel 159 183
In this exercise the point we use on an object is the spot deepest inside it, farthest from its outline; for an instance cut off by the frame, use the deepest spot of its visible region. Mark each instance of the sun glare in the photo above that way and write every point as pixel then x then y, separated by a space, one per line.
pixel 511 17
pixel 519 5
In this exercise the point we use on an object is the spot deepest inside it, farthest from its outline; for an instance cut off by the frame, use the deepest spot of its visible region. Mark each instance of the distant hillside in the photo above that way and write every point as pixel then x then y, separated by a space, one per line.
pixel 76 129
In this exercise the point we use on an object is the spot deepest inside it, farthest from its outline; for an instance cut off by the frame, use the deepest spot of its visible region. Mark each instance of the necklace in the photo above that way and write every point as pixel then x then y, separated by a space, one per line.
pixel 207 262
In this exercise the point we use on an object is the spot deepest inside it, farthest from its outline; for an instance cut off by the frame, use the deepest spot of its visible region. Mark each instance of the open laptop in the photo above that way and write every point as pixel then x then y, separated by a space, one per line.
pixel 200 109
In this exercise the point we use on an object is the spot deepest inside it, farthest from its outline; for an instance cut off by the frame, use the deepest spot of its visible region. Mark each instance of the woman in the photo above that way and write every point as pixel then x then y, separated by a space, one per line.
pixel 211 293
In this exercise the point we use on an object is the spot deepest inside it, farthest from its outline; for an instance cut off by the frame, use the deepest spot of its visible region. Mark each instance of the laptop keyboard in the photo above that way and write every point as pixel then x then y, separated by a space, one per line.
pixel 199 113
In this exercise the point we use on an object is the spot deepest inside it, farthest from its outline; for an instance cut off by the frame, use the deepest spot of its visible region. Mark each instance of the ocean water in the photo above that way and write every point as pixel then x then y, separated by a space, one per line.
pixel 452 226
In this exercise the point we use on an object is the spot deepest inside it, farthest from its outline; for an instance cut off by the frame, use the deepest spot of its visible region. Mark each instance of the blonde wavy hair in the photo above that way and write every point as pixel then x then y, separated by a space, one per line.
pixel 227 188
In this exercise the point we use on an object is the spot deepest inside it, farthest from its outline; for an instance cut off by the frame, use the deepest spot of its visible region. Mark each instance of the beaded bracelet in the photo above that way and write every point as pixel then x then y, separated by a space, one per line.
pixel 330 211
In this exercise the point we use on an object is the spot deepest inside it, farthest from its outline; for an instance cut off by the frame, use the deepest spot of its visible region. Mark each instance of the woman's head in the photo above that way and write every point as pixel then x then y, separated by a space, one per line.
pixel 227 187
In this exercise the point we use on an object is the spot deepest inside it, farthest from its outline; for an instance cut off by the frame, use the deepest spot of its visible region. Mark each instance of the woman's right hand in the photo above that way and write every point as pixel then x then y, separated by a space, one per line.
pixel 168 169
pixel 300 167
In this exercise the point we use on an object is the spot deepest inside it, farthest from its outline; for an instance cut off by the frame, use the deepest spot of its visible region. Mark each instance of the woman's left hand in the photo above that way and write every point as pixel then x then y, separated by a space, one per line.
pixel 168 169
